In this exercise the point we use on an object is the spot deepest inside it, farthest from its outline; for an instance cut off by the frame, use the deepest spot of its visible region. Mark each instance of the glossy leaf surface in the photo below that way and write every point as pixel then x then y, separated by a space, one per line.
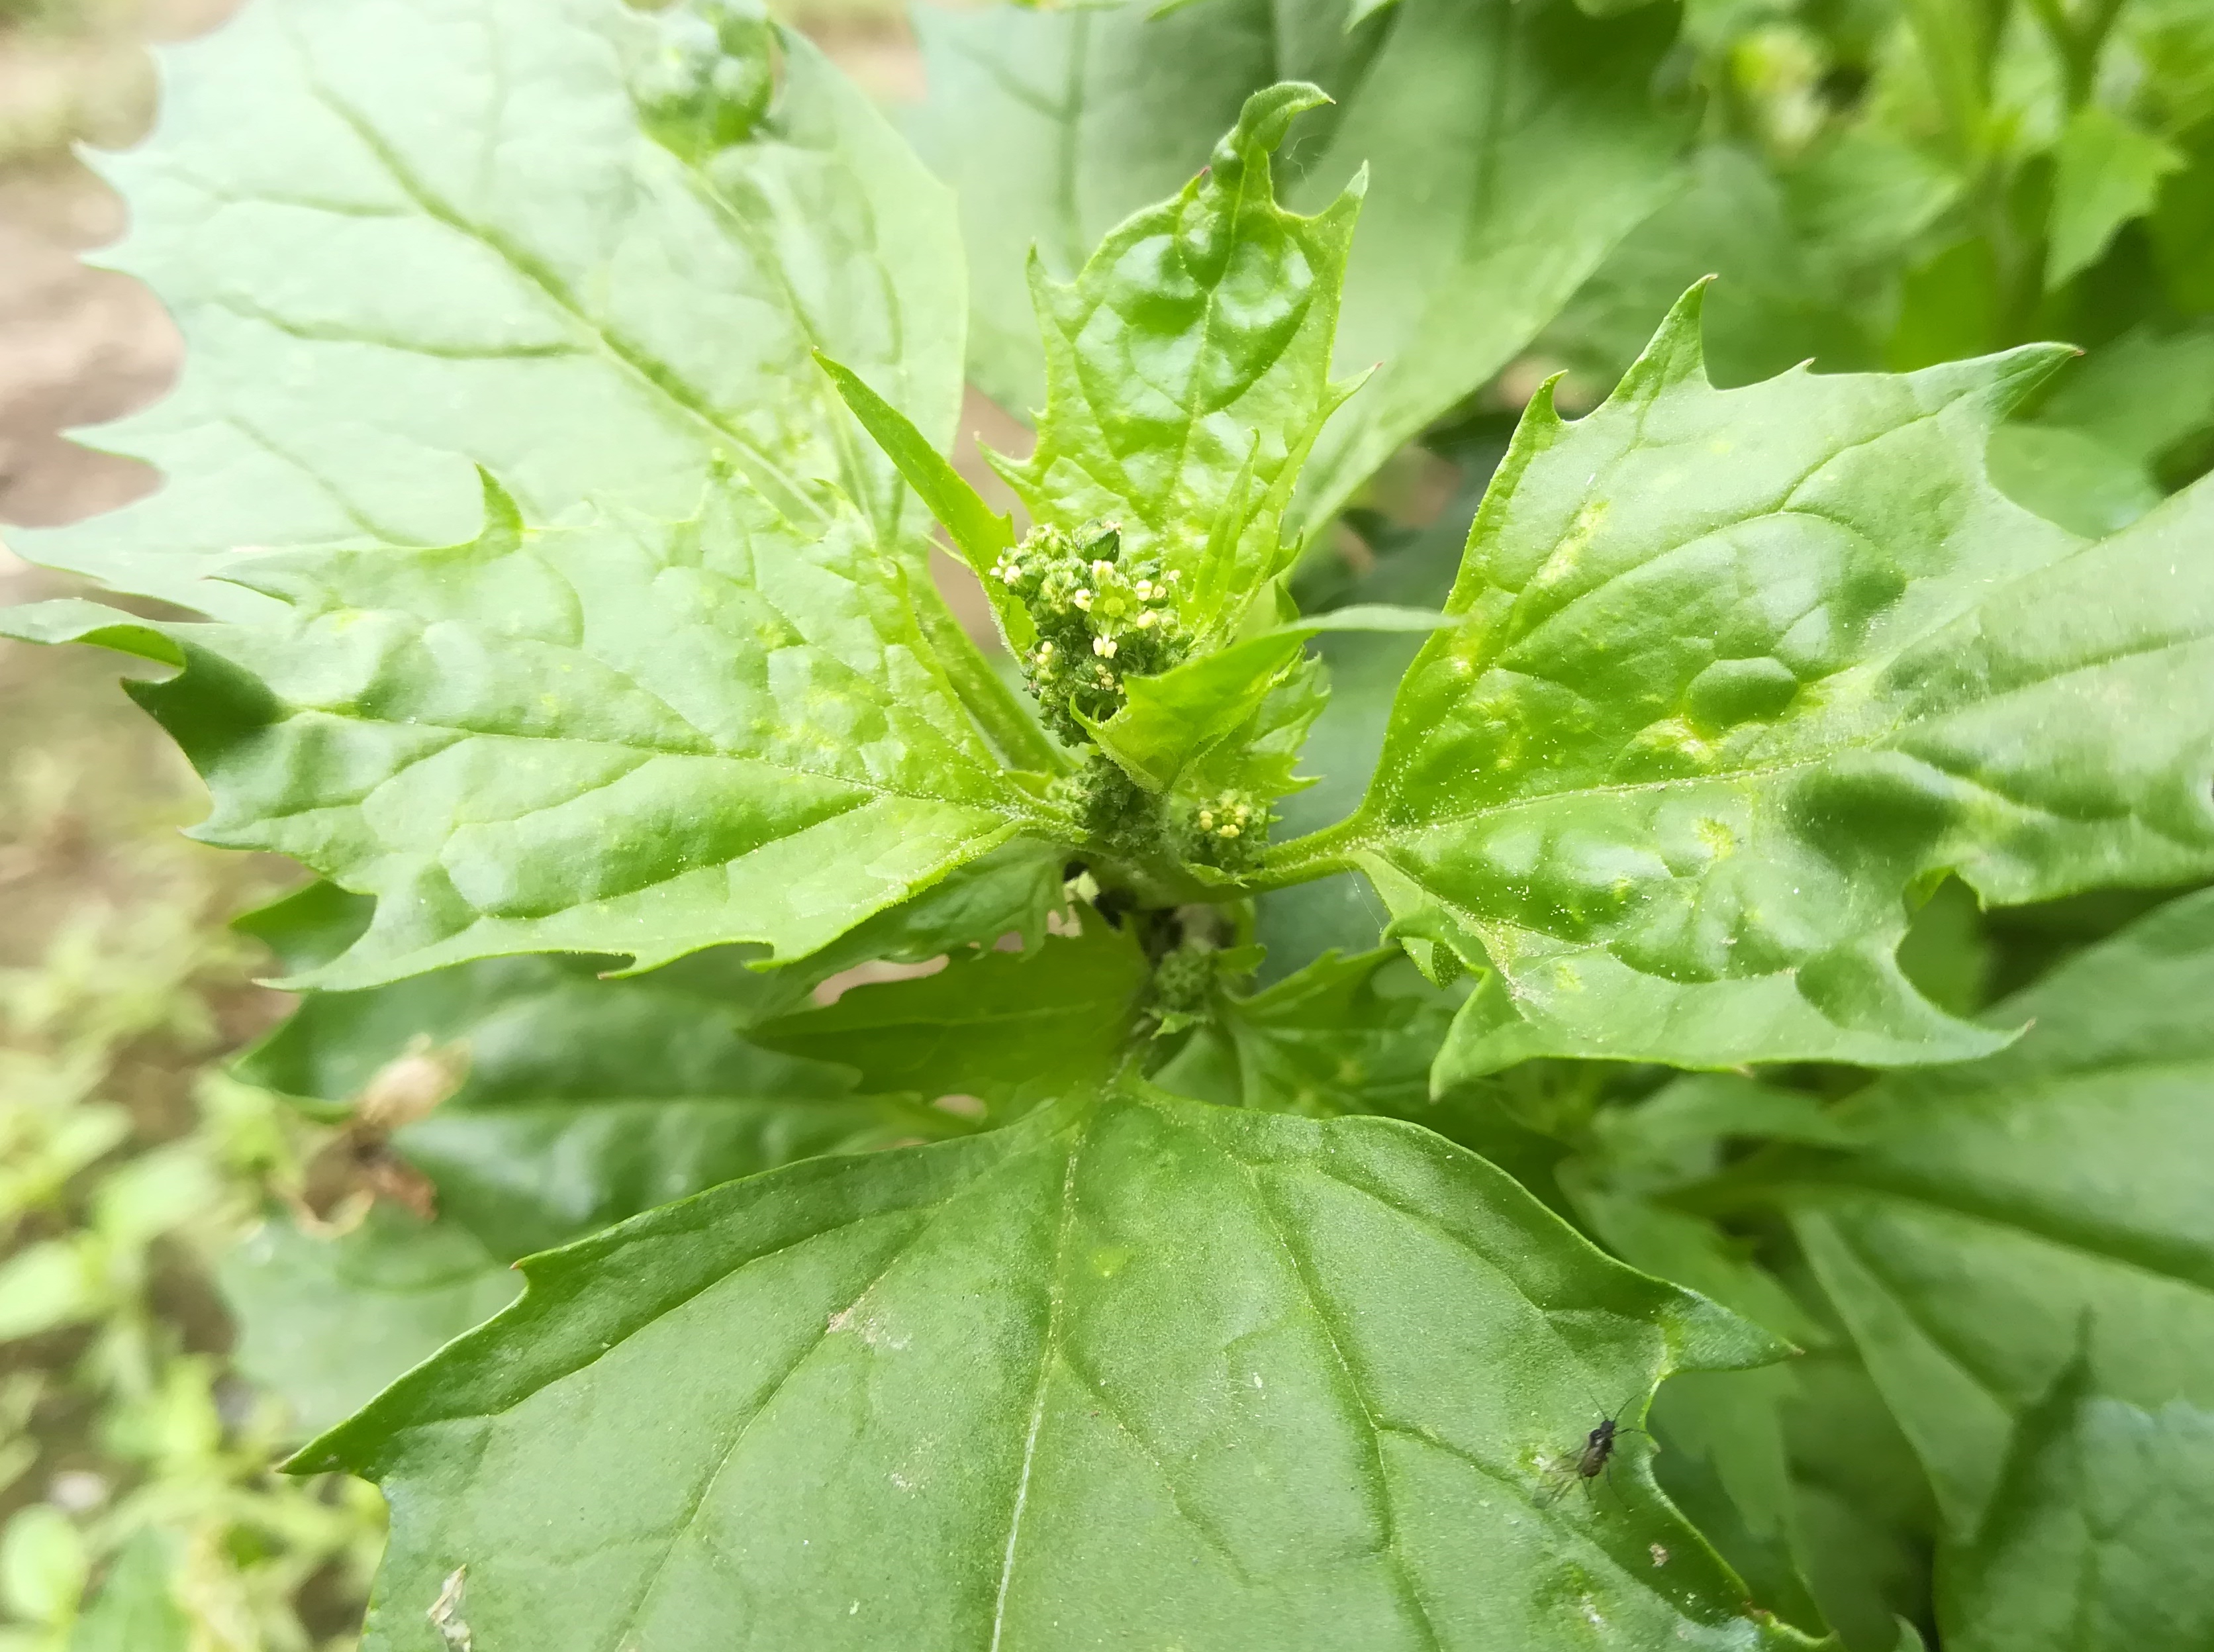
pixel 1740 670
pixel 633 737
pixel 584 247
pixel 1136 1366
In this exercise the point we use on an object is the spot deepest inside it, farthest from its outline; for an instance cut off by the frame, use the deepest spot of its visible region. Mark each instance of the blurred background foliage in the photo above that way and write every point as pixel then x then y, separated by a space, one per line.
pixel 1880 184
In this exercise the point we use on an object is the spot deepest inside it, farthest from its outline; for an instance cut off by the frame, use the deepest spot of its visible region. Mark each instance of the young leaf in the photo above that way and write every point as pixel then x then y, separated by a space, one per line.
pixel 2098 1538
pixel 1002 1026
pixel 1739 671
pixel 2106 171
pixel 1992 1206
pixel 1169 1370
pixel 1055 125
pixel 632 737
pixel 1188 370
pixel 1169 721
pixel 1344 1034
pixel 1511 147
pixel 583 246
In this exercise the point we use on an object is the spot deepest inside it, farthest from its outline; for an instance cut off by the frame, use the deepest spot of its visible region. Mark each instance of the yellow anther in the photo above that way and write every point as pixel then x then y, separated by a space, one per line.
pixel 1103 646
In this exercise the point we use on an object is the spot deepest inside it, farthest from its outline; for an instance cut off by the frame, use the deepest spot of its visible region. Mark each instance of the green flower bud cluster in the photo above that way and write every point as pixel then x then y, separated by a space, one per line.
pixel 1111 809
pixel 1184 981
pixel 1099 619
pixel 1229 831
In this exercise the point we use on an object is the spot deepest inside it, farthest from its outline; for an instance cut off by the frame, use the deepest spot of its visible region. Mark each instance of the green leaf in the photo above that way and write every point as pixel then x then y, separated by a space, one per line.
pixel 1863 1505
pixel 1172 1372
pixel 2071 477
pixel 980 537
pixel 1171 721
pixel 133 1610
pixel 1188 370
pixel 2089 458
pixel 1055 125
pixel 2097 1539
pixel 579 246
pixel 631 738
pixel 1779 300
pixel 1993 1206
pixel 325 1323
pixel 48 1284
pixel 1512 145
pixel 1344 1034
pixel 978 532
pixel 1413 566
pixel 1005 1027
pixel 580 1101
pixel 2106 171
pixel 1742 669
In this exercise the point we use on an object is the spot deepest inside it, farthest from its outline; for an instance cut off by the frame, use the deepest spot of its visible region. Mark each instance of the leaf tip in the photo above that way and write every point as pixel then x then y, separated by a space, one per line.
pixel 502 516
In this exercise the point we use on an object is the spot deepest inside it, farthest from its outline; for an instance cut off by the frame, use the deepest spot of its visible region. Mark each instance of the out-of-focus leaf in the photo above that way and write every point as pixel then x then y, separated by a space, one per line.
pixel 43 1564
pixel 51 1284
pixel 133 1610
pixel 1739 671
pixel 583 246
pixel 2088 459
pixel 1778 301
pixel 325 1323
pixel 2097 1540
pixel 633 737
pixel 1510 146
pixel 2106 171
pixel 1162 1370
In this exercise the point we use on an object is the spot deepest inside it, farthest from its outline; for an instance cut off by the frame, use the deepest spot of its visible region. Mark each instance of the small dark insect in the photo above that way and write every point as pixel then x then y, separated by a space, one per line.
pixel 1597 1452
pixel 1593 1457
